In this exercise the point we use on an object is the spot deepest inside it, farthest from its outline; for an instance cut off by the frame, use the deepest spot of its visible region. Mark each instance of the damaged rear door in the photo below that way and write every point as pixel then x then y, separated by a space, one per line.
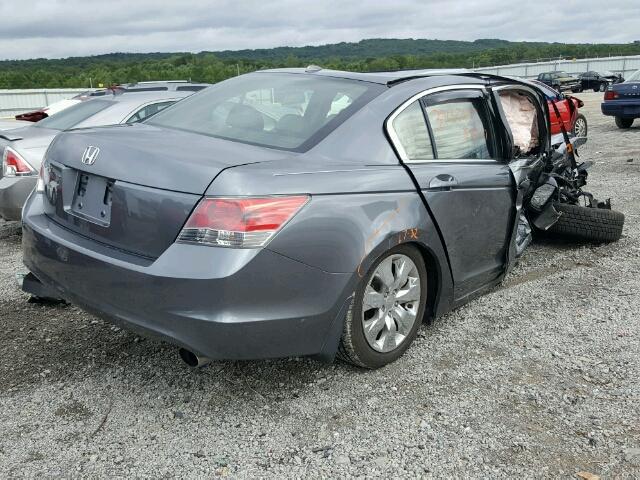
pixel 524 120
pixel 446 140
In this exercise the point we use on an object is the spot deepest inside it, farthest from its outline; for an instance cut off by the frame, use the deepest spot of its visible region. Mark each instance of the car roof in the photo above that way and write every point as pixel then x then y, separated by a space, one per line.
pixel 383 78
pixel 170 85
pixel 121 106
pixel 139 98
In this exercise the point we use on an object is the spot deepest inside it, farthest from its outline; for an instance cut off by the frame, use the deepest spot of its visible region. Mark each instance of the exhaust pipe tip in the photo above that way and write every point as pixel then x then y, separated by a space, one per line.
pixel 192 359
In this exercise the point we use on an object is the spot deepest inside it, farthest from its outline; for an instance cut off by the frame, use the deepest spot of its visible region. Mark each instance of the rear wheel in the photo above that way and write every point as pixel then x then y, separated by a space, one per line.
pixel 624 122
pixel 587 224
pixel 387 309
pixel 603 87
pixel 580 127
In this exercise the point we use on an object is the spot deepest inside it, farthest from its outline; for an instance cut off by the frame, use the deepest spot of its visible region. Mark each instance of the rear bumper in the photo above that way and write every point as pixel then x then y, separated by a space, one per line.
pixel 621 108
pixel 13 194
pixel 218 302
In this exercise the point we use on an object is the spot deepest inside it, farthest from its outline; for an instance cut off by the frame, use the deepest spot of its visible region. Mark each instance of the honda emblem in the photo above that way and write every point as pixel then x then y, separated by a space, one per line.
pixel 90 155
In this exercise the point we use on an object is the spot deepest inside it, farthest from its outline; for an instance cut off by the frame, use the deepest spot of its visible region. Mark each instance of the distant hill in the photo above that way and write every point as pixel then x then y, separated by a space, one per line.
pixel 375 54
pixel 372 47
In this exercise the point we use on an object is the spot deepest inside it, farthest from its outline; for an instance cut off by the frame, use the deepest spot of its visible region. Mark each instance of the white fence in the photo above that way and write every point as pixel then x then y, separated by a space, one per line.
pixel 13 102
pixel 623 65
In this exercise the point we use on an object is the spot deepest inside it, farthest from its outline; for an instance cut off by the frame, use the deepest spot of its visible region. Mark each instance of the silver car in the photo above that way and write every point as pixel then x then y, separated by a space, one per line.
pixel 10 124
pixel 22 149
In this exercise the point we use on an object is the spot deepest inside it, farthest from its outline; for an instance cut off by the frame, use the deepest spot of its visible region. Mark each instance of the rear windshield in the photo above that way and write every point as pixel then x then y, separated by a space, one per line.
pixel 635 77
pixel 278 110
pixel 71 116
pixel 145 89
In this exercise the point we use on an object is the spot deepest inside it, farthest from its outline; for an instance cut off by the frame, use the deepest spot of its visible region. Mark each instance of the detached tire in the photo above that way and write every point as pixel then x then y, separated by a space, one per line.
pixel 587 224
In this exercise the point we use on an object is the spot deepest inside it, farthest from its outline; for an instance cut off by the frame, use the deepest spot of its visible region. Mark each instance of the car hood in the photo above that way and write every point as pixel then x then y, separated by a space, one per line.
pixel 626 86
pixel 156 157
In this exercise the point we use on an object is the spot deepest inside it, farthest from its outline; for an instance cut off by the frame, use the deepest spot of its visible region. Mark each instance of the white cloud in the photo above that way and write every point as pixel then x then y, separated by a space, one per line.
pixel 53 29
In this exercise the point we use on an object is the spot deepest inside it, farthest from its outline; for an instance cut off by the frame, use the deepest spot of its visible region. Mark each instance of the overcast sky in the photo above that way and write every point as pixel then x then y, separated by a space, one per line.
pixel 62 28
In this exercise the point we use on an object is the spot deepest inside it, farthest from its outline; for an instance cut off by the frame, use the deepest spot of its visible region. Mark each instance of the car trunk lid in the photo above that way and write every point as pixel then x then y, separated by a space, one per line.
pixel 133 188
pixel 627 91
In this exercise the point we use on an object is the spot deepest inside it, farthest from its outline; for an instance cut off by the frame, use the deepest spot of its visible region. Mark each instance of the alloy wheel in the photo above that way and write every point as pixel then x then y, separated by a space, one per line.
pixel 390 303
pixel 580 128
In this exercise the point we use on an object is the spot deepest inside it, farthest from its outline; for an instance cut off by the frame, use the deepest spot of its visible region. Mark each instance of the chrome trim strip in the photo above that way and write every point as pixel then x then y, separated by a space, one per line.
pixel 388 125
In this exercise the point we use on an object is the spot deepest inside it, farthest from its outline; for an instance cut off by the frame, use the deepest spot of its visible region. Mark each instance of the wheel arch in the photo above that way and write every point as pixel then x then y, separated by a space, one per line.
pixel 434 279
pixel 439 285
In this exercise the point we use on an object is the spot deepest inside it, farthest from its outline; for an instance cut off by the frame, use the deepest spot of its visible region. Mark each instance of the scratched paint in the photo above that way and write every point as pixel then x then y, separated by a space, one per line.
pixel 403 236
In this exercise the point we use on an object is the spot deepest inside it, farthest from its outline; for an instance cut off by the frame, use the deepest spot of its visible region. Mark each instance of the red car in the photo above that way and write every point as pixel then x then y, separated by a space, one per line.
pixel 574 121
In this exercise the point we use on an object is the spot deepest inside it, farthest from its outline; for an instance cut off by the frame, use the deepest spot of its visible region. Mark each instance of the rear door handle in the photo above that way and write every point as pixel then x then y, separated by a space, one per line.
pixel 443 182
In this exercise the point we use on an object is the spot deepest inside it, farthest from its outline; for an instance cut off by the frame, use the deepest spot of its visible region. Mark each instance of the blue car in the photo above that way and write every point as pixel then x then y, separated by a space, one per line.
pixel 622 101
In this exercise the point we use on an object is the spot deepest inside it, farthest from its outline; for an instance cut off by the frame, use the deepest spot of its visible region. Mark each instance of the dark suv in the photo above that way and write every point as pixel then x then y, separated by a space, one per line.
pixel 560 81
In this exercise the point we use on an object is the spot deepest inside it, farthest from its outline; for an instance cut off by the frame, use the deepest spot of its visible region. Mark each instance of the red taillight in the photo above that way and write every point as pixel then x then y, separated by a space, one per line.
pixel 239 222
pixel 610 95
pixel 13 165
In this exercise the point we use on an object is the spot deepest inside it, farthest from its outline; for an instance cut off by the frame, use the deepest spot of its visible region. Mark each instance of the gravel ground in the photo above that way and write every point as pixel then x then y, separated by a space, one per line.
pixel 537 379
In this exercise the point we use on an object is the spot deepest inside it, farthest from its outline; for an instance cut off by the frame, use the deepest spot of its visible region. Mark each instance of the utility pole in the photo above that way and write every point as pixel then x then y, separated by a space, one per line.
pixel 90 83
pixel 238 68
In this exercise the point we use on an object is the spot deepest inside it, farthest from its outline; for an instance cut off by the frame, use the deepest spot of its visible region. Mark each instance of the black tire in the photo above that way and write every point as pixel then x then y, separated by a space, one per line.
pixel 354 348
pixel 557 88
pixel 587 224
pixel 580 126
pixel 603 87
pixel 624 122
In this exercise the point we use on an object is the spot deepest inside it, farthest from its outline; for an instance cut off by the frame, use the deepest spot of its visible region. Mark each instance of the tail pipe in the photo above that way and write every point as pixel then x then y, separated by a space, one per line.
pixel 193 359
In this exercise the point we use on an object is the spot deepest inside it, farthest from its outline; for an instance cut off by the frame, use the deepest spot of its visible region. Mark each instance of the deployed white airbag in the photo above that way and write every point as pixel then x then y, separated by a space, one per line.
pixel 522 117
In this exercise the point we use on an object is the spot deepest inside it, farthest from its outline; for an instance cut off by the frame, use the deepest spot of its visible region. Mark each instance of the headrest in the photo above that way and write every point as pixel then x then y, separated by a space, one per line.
pixel 290 123
pixel 245 117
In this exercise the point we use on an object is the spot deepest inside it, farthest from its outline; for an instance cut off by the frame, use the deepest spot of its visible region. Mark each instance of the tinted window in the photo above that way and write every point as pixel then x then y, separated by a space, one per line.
pixel 70 117
pixel 288 111
pixel 190 88
pixel 148 110
pixel 145 89
pixel 412 133
pixel 460 129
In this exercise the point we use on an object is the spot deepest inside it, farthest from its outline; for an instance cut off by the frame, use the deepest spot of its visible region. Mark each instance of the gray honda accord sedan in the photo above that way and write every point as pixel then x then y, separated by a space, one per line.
pixel 294 212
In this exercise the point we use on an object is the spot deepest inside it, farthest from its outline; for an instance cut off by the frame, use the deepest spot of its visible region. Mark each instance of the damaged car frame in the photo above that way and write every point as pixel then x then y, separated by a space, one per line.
pixel 305 212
